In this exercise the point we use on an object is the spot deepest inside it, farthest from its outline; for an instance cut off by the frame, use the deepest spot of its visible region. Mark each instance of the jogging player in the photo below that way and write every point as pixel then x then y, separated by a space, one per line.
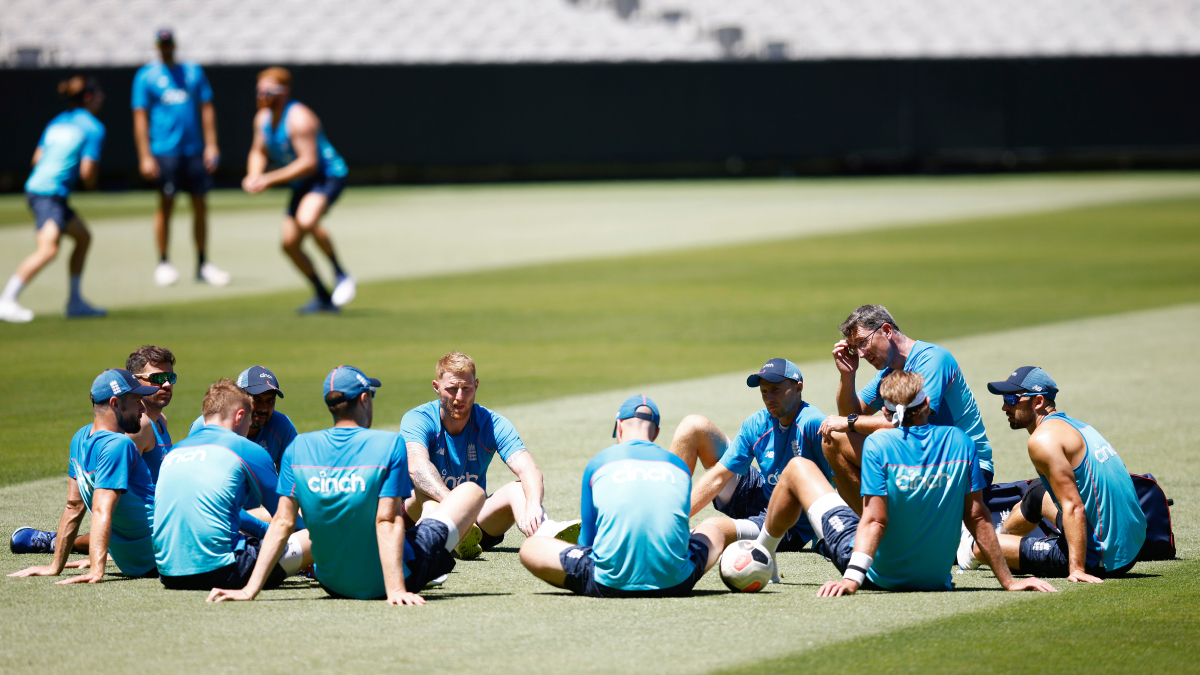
pixel 67 153
pixel 1092 498
pixel 787 427
pixel 452 440
pixel 175 129
pixel 206 481
pixel 634 541
pixel 871 334
pixel 107 476
pixel 269 428
pixel 351 482
pixel 289 134
pixel 920 484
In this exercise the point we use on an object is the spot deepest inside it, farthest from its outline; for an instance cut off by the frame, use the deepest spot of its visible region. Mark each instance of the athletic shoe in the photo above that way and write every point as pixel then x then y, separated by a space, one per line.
pixel 212 275
pixel 165 274
pixel 344 291
pixel 468 548
pixel 966 557
pixel 29 540
pixel 567 530
pixel 316 306
pixel 774 572
pixel 14 313
pixel 80 309
pixel 434 583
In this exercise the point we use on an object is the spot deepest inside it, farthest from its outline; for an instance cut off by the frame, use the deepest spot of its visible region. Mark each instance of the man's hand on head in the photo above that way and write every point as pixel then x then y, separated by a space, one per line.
pixel 846 362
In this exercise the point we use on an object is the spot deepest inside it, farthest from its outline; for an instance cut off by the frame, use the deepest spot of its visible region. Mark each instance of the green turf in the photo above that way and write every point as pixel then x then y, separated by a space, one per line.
pixel 552 330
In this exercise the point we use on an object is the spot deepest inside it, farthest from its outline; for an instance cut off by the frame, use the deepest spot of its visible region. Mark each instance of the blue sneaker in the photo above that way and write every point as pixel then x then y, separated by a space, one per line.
pixel 316 306
pixel 29 540
pixel 79 308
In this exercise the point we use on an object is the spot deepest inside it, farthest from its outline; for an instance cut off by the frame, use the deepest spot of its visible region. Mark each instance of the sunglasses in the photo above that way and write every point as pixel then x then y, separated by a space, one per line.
pixel 1013 399
pixel 271 91
pixel 159 379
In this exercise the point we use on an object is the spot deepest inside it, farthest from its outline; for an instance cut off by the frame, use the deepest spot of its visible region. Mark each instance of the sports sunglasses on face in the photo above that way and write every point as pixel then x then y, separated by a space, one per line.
pixel 158 379
pixel 1013 399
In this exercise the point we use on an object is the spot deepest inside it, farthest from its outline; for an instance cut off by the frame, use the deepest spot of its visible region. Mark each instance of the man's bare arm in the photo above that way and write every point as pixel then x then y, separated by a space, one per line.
pixel 709 486
pixel 68 527
pixel 282 526
pixel 389 533
pixel 1050 460
pixel 532 484
pixel 871 528
pixel 424 474
pixel 104 502
pixel 978 520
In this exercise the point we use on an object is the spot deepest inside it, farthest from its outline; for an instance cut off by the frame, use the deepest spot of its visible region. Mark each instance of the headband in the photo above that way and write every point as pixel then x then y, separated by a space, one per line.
pixel 898 418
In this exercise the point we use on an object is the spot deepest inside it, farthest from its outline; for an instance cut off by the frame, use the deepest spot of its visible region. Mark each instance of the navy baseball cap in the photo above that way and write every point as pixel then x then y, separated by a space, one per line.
pixel 116 382
pixel 349 381
pixel 257 379
pixel 1026 379
pixel 164 35
pixel 776 370
pixel 629 408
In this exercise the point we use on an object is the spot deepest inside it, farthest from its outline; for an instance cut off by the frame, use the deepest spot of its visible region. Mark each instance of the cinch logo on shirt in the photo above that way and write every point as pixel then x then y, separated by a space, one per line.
pixel 772 478
pixel 454 481
pixel 629 473
pixel 174 97
pixel 180 456
pixel 914 481
pixel 324 483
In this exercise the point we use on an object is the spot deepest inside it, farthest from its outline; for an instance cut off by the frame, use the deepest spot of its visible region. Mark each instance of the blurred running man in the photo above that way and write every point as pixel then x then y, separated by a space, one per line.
pixel 351 482
pixel 67 153
pixel 288 134
pixel 1091 498
pixel 920 484
pixel 269 428
pixel 634 541
pixel 871 333
pixel 107 476
pixel 175 128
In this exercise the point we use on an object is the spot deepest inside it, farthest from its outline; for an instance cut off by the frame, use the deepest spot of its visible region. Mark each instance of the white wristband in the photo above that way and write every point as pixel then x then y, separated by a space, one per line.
pixel 856 570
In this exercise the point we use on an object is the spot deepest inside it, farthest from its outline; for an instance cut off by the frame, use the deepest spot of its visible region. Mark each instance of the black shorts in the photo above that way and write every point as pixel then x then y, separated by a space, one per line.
pixel 581 573
pixel 330 186
pixel 749 502
pixel 1049 557
pixel 182 174
pixel 50 207
pixel 233 576
pixel 840 525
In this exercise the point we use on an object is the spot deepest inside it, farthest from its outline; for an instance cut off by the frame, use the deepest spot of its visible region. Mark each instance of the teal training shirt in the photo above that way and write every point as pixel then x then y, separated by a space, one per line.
pixel 1116 522
pixel 274 436
pixel 69 138
pixel 339 475
pixel 463 458
pixel 280 151
pixel 162 446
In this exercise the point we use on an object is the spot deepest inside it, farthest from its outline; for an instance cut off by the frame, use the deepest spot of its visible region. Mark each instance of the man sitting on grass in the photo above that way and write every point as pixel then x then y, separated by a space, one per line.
pixel 634 541
pixel 920 483
pixel 108 476
pixel 269 428
pixel 351 482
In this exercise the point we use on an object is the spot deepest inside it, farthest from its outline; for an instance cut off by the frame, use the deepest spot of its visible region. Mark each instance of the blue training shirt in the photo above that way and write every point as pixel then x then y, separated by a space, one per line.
pixel 67 140
pixel 950 399
pixel 280 151
pixel 109 460
pixel 205 482
pixel 339 475
pixel 1116 522
pixel 634 506
pixel 274 436
pixel 465 457
pixel 171 97
pixel 763 440
pixel 162 446
pixel 926 473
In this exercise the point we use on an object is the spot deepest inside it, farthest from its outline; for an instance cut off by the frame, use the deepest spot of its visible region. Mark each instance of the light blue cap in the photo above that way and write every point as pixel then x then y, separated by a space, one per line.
pixel 116 382
pixel 630 407
pixel 349 381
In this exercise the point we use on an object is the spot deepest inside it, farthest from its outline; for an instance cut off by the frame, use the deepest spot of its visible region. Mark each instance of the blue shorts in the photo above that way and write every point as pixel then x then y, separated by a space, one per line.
pixel 840 525
pixel 1049 557
pixel 749 502
pixel 50 207
pixel 182 174
pixel 430 558
pixel 330 186
pixel 234 575
pixel 581 573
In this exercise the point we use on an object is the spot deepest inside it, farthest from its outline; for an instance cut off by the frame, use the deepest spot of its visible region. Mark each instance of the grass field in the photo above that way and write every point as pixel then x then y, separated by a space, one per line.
pixel 1106 297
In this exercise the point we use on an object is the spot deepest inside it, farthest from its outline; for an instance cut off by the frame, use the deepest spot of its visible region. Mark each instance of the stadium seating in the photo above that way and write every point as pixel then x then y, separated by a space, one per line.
pixel 120 32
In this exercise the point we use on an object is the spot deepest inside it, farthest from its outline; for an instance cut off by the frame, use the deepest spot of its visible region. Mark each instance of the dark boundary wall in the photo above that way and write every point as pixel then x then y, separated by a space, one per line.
pixel 567 121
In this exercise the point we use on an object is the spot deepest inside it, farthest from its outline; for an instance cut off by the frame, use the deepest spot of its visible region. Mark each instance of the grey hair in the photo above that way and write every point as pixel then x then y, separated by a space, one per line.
pixel 870 317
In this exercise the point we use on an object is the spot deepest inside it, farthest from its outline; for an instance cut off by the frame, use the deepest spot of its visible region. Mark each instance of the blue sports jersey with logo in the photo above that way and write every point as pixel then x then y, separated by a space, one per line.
pixel 339 475
pixel 205 482
pixel 68 139
pixel 950 398
pixel 465 457
pixel 280 151
pixel 107 460
pixel 635 504
pixel 1116 522
pixel 162 445
pixel 926 473
pixel 172 97
pixel 274 436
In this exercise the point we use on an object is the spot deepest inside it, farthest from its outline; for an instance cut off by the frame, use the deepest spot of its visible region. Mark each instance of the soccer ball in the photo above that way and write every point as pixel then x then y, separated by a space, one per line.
pixel 746 567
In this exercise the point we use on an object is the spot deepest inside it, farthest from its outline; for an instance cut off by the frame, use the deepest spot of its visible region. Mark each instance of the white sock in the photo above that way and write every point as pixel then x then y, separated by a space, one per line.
pixel 75 279
pixel 768 542
pixel 746 529
pixel 12 289
pixel 452 536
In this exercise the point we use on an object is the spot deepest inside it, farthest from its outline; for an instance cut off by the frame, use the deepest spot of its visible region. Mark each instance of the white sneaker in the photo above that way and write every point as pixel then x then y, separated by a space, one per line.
pixel 774 571
pixel 14 313
pixel 212 275
pixel 435 583
pixel 567 530
pixel 165 274
pixel 966 556
pixel 344 291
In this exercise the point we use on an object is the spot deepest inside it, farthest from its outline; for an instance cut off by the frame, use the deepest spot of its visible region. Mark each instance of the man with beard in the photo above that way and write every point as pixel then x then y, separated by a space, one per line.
pixel 107 476
pixel 452 440
pixel 271 429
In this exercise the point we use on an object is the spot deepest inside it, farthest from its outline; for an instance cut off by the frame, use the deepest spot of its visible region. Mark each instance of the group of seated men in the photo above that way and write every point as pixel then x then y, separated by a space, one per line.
pixel 244 501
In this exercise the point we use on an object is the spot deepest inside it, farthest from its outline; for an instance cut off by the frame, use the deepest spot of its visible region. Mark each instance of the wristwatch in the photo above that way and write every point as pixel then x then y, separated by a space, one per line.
pixel 851 419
